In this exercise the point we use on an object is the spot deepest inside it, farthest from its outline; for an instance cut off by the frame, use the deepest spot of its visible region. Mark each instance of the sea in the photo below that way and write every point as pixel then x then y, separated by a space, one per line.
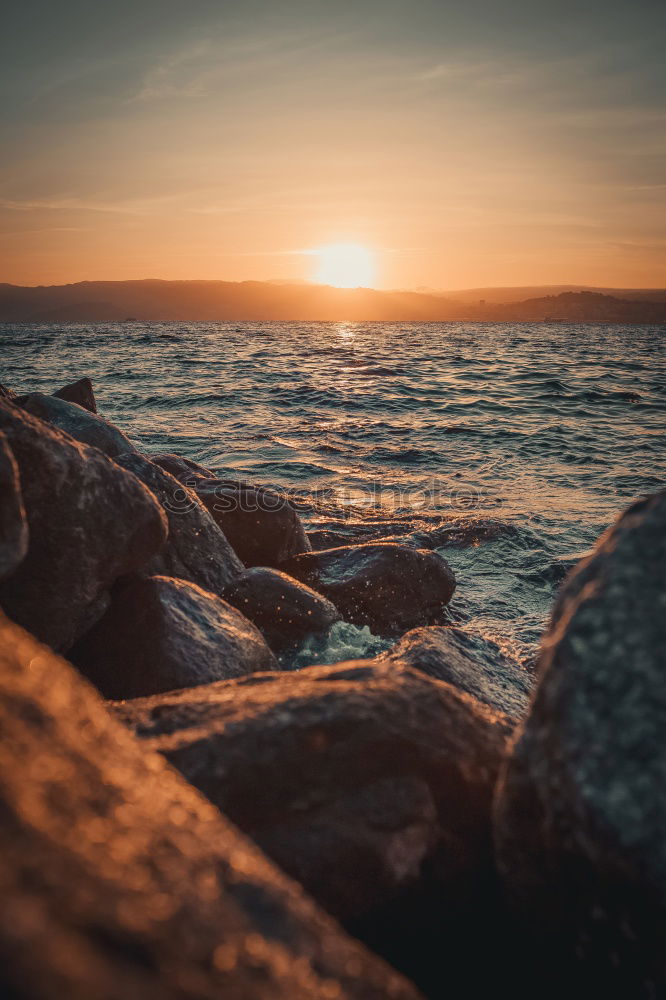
pixel 509 448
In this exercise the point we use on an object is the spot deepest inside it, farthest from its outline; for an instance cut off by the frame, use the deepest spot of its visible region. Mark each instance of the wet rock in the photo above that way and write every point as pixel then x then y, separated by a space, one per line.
pixel 580 811
pixel 6 393
pixel 283 609
pixel 351 777
pixel 386 586
pixel 160 634
pixel 120 882
pixel 196 549
pixel 89 523
pixel 337 532
pixel 183 469
pixel 327 538
pixel 462 532
pixel 81 393
pixel 261 525
pixel 421 532
pixel 468 662
pixel 13 520
pixel 78 423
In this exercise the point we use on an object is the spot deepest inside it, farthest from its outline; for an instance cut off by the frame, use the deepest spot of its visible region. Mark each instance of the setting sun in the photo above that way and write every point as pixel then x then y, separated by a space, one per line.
pixel 345 265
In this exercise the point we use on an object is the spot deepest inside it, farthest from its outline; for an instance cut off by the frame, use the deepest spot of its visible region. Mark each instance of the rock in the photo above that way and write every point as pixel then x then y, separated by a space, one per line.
pixel 352 777
pixel 283 609
pixel 386 586
pixel 196 549
pixel 90 522
pixel 183 469
pixel 6 393
pixel 334 532
pixel 13 520
pixel 325 538
pixel 420 531
pixel 261 525
pixel 160 634
pixel 78 423
pixel 463 532
pixel 580 812
pixel 80 392
pixel 120 882
pixel 468 662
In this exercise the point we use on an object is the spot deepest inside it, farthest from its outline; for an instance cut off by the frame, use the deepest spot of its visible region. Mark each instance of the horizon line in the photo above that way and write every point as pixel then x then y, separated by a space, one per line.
pixel 299 282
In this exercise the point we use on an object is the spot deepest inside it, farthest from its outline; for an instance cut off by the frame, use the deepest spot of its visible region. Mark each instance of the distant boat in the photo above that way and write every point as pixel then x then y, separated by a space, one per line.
pixel 130 319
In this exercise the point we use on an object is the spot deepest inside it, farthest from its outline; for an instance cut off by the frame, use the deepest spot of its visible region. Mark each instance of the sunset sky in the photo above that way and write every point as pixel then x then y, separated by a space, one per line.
pixel 463 143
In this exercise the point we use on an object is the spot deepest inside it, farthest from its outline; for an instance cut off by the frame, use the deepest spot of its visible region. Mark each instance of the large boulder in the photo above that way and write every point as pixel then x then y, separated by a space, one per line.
pixel 196 549
pixel 120 882
pixel 261 525
pixel 90 522
pixel 80 392
pixel 386 586
pixel 283 609
pixel 469 662
pixel 356 778
pixel 13 521
pixel 581 810
pixel 81 424
pixel 183 469
pixel 161 633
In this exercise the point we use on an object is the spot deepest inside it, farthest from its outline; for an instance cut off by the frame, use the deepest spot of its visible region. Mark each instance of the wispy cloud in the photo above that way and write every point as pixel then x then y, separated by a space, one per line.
pixel 179 74
pixel 199 70
pixel 599 81
pixel 46 229
pixel 129 206
pixel 471 69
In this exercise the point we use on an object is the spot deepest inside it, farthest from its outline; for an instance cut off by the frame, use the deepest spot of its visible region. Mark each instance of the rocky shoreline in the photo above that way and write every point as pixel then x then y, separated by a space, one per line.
pixel 184 816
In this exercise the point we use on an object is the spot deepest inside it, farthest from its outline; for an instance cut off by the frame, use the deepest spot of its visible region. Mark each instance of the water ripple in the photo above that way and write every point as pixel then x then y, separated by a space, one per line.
pixel 510 447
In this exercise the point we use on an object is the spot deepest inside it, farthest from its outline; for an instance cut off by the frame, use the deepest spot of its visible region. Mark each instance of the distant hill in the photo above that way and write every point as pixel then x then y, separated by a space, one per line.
pixel 520 293
pixel 583 307
pixel 210 301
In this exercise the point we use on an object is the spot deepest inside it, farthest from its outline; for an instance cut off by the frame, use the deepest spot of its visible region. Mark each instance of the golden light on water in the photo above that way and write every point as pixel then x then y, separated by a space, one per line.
pixel 345 265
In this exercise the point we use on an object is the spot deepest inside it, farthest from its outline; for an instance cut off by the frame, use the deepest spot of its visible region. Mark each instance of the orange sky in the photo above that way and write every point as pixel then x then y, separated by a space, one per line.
pixel 218 141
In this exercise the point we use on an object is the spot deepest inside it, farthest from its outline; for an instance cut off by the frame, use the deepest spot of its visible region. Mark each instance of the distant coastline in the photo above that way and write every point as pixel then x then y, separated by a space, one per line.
pixel 154 300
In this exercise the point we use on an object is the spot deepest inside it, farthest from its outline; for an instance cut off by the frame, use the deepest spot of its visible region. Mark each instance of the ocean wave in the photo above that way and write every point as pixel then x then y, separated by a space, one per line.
pixel 506 447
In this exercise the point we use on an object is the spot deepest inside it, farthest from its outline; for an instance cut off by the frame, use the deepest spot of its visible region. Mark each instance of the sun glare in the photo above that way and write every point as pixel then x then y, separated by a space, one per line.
pixel 344 265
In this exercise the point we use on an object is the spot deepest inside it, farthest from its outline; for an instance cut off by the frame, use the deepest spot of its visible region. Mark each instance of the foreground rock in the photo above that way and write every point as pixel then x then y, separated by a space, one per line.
pixel 388 587
pixel 196 549
pixel 262 526
pixel 354 778
pixel 160 634
pixel 13 521
pixel 468 662
pixel 581 811
pixel 89 522
pixel 281 608
pixel 79 423
pixel 120 882
pixel 81 393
